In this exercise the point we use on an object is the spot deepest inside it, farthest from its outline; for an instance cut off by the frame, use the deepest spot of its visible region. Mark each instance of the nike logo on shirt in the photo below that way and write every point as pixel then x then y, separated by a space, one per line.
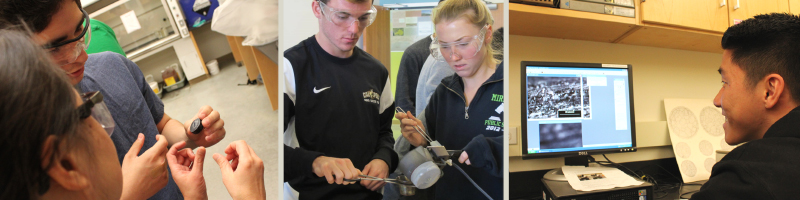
pixel 320 90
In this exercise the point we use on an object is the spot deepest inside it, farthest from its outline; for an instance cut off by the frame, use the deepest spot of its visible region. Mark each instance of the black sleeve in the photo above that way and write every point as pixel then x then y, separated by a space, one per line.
pixel 733 180
pixel 288 111
pixel 486 153
pixel 297 162
pixel 407 77
pixel 385 147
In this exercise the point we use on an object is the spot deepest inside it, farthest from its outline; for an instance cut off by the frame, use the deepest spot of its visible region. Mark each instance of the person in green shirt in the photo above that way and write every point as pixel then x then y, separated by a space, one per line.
pixel 103 39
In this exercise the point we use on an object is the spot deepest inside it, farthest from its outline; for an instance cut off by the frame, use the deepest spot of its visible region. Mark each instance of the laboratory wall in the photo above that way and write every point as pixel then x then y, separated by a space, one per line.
pixel 297 23
pixel 212 44
pixel 658 73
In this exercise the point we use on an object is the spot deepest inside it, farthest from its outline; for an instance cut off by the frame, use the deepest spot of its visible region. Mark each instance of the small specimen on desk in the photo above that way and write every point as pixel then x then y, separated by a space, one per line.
pixel 197 126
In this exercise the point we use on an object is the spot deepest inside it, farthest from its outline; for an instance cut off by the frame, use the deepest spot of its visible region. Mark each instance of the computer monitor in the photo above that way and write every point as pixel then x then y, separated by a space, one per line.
pixel 574 110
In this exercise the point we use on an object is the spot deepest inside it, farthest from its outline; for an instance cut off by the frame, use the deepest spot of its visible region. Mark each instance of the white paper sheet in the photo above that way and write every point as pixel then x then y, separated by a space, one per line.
pixel 597 178
pixel 130 22
pixel 425 28
pixel 411 20
pixel 695 129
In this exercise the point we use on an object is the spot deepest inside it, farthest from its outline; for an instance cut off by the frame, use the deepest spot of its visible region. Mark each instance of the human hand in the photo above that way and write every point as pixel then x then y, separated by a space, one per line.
pixel 464 158
pixel 407 124
pixel 244 175
pixel 187 170
pixel 213 127
pixel 377 168
pixel 143 176
pixel 335 169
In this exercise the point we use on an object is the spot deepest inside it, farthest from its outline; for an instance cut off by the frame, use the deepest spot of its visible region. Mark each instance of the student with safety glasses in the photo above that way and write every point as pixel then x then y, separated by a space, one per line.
pixel 465 111
pixel 57 143
pixel 61 27
pixel 338 109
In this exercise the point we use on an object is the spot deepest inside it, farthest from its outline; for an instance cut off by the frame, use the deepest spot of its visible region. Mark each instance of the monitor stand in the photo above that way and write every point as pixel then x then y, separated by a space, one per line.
pixel 558 175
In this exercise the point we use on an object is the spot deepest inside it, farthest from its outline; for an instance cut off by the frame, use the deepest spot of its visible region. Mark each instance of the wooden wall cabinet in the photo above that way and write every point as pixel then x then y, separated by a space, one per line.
pixel 377 38
pixel 695 25
pixel 709 15
pixel 539 21
pixel 740 10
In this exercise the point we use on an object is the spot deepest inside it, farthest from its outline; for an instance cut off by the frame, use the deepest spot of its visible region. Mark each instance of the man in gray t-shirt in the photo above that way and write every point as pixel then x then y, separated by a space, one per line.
pixel 61 27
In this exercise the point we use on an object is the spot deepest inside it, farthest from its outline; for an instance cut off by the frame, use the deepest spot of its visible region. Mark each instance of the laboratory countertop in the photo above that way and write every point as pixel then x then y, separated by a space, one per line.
pixel 684 192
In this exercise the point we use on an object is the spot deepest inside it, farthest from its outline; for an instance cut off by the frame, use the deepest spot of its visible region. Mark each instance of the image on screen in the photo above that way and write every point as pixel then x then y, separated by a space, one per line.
pixel 559 97
pixel 560 135
pixel 577 109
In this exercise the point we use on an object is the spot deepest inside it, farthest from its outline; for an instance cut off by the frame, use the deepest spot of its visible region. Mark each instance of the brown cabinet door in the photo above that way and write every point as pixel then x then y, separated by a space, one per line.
pixel 794 6
pixel 709 15
pixel 744 9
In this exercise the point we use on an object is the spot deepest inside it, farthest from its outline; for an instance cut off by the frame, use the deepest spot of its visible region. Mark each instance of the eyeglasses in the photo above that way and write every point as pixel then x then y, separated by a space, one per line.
pixel 466 48
pixel 348 17
pixel 67 51
pixel 94 106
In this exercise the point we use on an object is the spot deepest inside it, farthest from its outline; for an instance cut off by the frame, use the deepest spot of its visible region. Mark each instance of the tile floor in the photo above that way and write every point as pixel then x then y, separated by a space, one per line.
pixel 248 116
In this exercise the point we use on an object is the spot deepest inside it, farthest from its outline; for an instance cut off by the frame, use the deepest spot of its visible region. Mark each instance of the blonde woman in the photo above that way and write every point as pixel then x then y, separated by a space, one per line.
pixel 466 110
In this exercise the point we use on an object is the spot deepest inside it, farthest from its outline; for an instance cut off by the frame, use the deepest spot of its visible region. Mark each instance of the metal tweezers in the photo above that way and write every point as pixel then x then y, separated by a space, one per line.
pixel 364 177
pixel 416 127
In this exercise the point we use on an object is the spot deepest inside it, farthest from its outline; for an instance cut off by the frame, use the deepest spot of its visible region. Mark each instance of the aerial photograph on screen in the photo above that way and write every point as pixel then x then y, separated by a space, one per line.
pixel 557 97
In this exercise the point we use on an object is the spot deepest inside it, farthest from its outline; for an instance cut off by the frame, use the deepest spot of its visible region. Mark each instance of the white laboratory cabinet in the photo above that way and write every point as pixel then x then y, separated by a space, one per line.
pixel 151 27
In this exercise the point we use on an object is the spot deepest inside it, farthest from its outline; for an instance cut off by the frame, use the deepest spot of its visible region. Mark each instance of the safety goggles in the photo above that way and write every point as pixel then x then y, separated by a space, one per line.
pixel 345 18
pixel 67 51
pixel 465 48
pixel 94 106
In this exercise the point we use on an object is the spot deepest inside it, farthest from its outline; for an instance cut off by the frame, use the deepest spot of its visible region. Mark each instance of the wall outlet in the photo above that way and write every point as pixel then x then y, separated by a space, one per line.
pixel 512 135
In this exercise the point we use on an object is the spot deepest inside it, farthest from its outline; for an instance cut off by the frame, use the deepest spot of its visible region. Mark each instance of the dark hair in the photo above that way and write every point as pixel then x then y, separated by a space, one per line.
pixel 767 44
pixel 36 101
pixel 36 14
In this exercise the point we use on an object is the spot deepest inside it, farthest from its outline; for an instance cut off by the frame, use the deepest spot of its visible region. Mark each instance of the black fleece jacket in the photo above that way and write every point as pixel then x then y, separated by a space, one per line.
pixel 477 129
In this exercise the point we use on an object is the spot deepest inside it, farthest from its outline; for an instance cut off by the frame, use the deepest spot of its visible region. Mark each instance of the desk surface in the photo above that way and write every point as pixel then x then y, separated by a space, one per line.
pixel 672 194
pixel 675 193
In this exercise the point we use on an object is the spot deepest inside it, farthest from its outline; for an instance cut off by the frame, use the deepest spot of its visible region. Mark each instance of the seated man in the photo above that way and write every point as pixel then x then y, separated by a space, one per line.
pixel 760 92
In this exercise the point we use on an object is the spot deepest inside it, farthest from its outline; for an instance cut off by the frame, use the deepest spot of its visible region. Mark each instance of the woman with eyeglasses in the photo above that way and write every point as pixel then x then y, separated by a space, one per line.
pixel 56 142
pixel 466 110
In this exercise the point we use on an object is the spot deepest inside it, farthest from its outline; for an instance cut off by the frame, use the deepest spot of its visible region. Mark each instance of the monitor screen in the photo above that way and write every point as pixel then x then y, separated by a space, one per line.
pixel 574 109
